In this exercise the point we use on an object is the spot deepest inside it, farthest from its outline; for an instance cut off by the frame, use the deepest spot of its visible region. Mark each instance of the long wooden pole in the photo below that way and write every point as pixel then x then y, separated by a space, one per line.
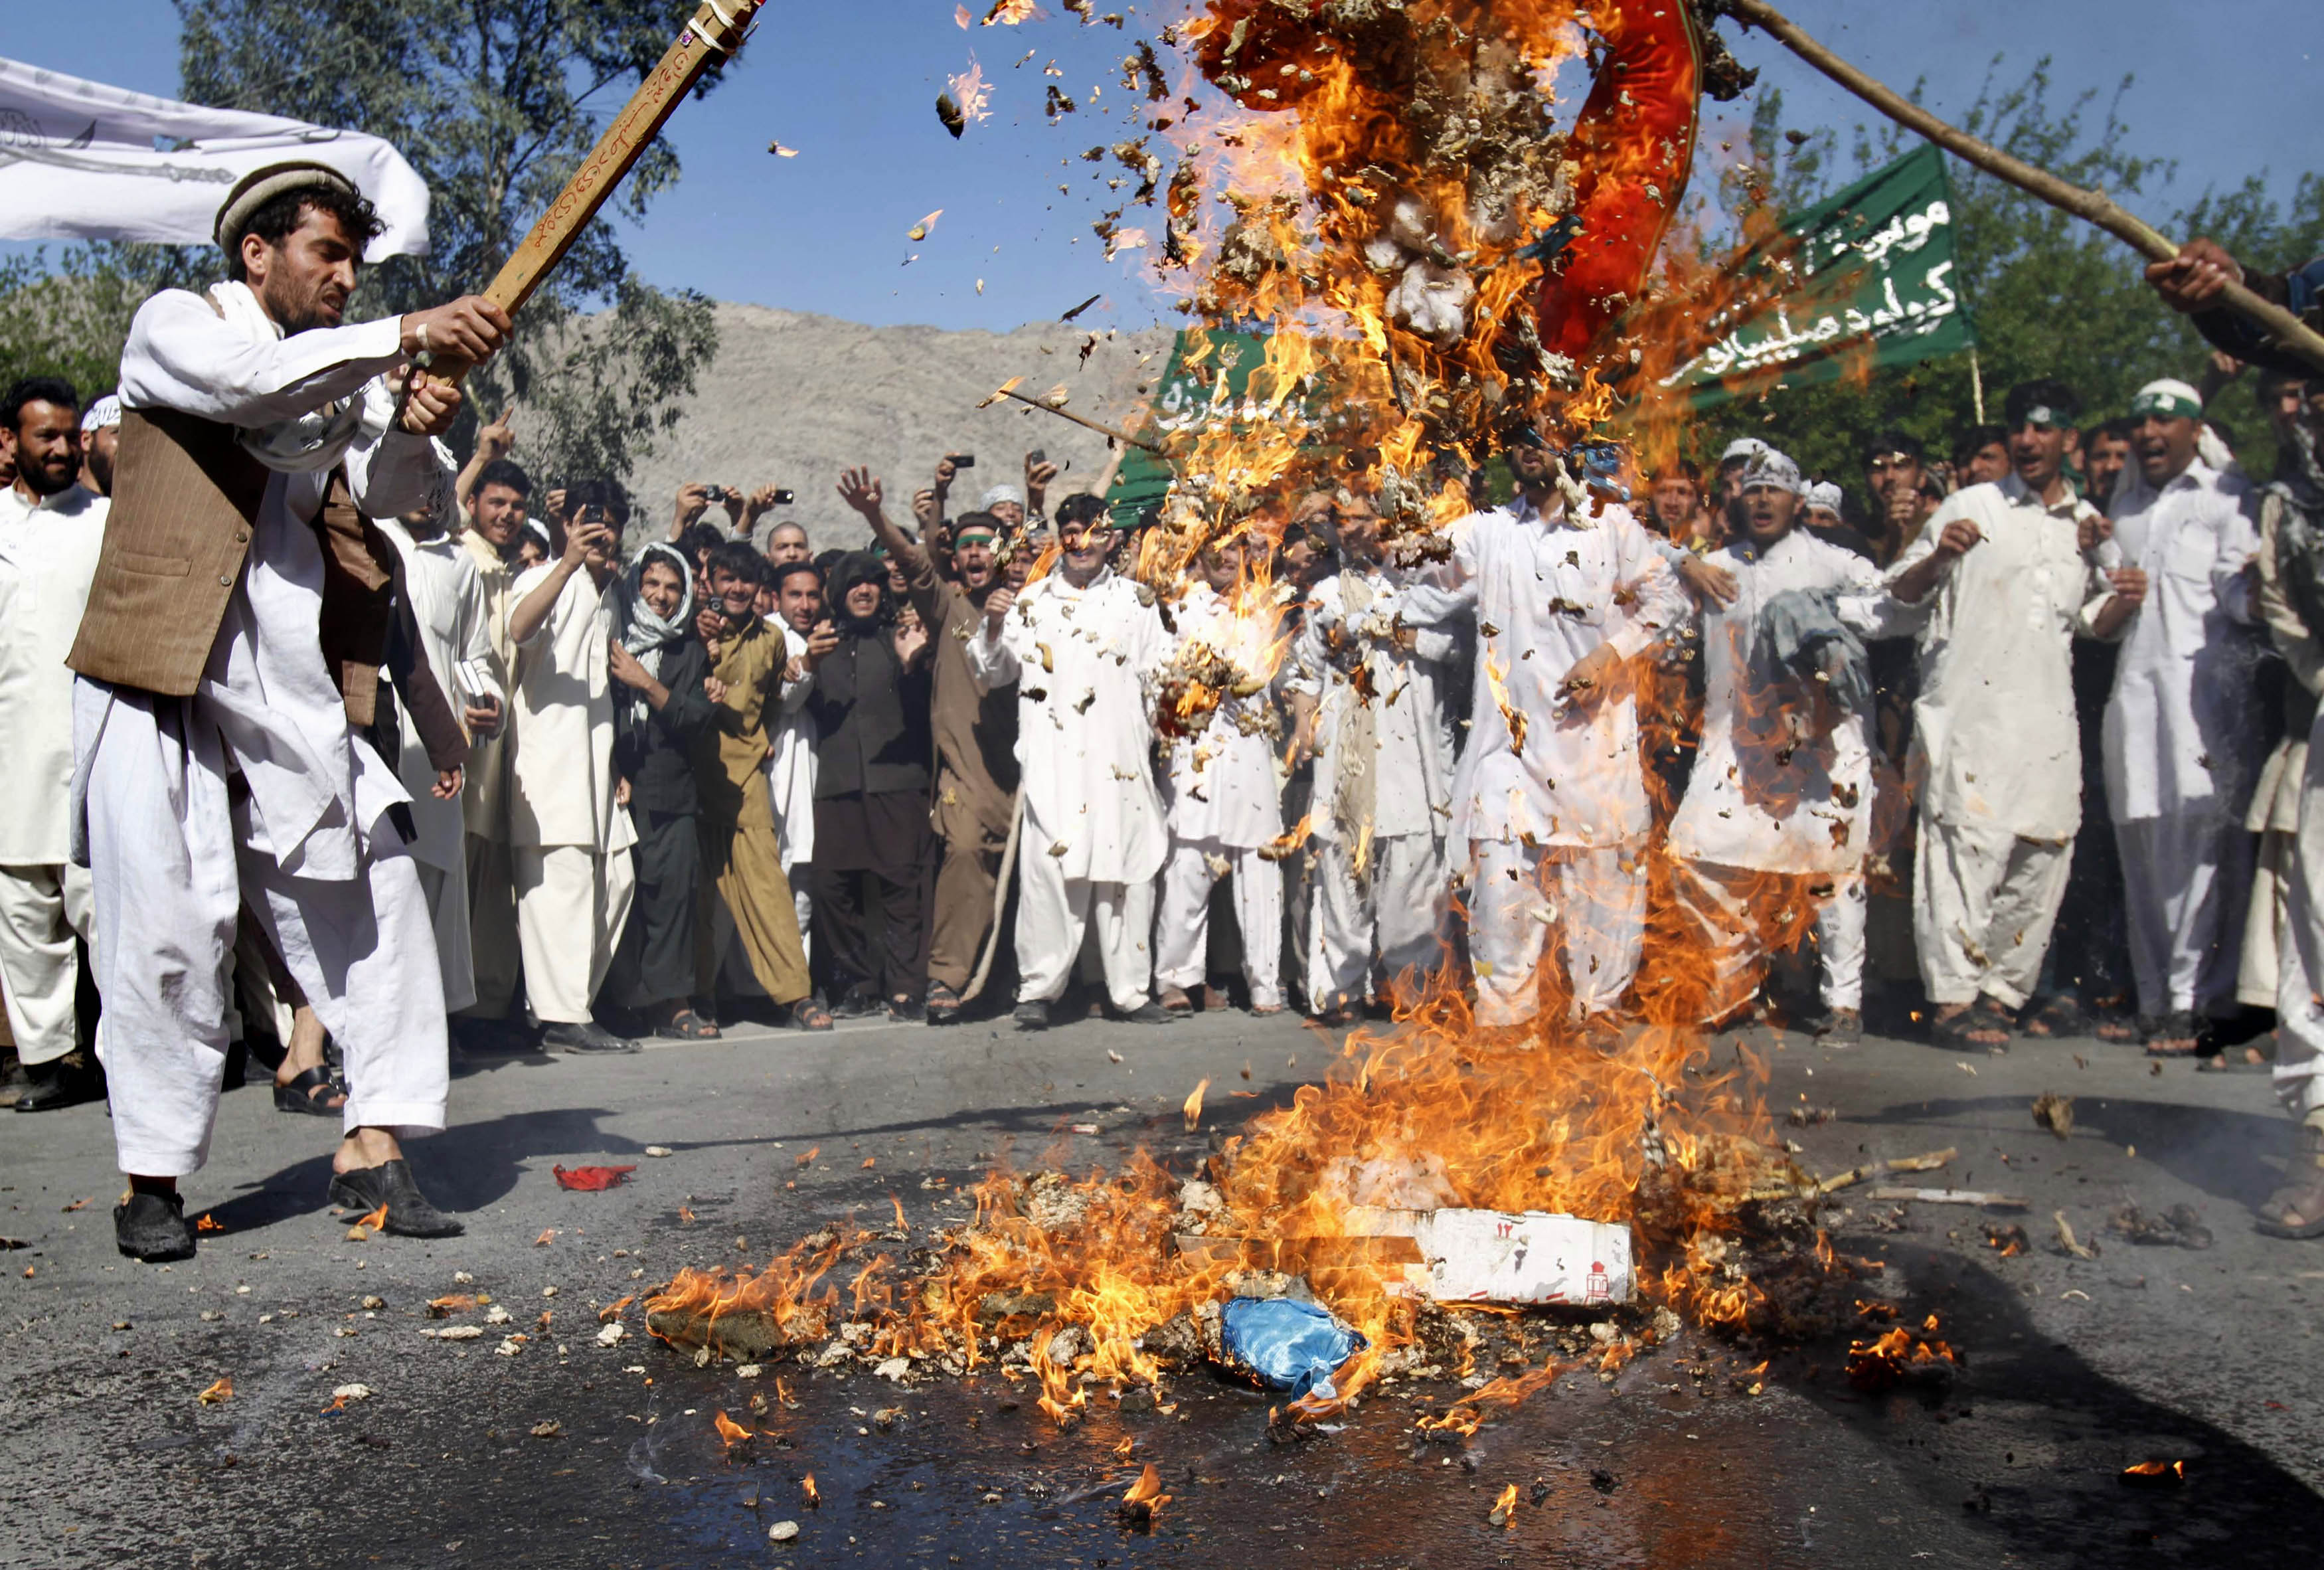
pixel 1122 436
pixel 2091 205
pixel 714 32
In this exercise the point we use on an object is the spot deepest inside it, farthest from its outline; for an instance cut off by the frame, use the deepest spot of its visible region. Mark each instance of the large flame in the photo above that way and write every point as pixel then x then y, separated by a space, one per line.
pixel 1382 187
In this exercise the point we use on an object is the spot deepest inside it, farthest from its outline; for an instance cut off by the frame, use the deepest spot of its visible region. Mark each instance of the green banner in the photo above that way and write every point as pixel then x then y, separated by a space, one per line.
pixel 1874 281
pixel 1207 384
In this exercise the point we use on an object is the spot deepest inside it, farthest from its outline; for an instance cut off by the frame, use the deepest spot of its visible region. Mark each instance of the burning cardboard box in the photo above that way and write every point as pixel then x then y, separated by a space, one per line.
pixel 1457 1255
pixel 1500 1256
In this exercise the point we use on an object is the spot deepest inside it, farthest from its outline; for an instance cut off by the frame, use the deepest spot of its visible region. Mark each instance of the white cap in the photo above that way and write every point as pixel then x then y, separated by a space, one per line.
pixel 1824 496
pixel 998 494
pixel 1745 447
pixel 104 411
pixel 1774 470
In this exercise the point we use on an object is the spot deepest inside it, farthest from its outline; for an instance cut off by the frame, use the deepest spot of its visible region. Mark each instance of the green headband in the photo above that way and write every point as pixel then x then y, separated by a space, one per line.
pixel 2171 400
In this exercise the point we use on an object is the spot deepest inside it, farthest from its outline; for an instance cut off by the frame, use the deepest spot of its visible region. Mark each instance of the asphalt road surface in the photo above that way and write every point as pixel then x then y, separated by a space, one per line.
pixel 2075 1368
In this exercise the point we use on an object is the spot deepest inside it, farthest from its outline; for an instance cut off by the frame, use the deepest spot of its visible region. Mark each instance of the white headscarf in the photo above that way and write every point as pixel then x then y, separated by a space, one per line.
pixel 644 632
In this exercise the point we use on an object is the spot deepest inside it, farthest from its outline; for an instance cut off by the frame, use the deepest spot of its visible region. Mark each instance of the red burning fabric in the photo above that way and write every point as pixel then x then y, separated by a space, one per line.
pixel 1633 142
pixel 592 1179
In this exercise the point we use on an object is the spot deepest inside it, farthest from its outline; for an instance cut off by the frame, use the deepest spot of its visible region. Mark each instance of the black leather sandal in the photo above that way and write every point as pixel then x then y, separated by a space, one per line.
pixel 311 1093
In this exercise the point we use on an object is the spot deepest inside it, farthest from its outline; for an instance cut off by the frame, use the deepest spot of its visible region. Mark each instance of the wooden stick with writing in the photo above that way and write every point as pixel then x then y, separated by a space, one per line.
pixel 714 32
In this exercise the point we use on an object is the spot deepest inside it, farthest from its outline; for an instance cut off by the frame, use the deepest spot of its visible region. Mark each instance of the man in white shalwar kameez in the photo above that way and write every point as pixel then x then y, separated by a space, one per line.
pixel 790 753
pixel 1998 575
pixel 574 880
pixel 2183 722
pixel 1368 689
pixel 1550 799
pixel 218 765
pixel 1778 806
pixel 1223 796
pixel 454 616
pixel 51 532
pixel 502 492
pixel 1084 647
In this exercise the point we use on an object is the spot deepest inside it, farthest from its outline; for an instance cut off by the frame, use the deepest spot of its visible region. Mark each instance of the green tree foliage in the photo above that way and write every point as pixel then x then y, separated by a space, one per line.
pixel 494 102
pixel 2049 295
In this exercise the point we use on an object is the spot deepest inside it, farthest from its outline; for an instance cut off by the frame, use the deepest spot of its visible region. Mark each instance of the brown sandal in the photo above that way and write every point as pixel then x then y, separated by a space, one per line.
pixel 2296 1209
pixel 807 1014
pixel 1175 1000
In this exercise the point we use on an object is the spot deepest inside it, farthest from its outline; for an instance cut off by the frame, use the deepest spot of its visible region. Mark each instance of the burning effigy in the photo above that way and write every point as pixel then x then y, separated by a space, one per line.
pixel 1383 187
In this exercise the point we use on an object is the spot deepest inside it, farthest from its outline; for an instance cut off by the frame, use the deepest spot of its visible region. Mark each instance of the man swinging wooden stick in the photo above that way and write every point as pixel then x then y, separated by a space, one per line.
pixel 242 609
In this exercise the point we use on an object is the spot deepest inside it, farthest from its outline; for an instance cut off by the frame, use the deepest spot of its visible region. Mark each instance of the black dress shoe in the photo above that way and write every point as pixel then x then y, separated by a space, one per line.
pixel 855 1005
pixel 1032 1014
pixel 54 1085
pixel 588 1036
pixel 390 1184
pixel 152 1227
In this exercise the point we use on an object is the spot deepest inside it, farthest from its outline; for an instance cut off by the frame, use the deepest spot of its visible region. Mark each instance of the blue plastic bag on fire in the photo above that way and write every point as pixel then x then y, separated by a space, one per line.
pixel 1289 1345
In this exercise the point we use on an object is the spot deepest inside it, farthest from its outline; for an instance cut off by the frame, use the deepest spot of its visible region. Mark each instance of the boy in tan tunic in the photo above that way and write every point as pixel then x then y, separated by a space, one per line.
pixel 741 854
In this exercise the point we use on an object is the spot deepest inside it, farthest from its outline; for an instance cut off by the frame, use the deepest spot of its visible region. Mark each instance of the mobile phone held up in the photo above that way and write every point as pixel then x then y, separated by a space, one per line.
pixel 961 461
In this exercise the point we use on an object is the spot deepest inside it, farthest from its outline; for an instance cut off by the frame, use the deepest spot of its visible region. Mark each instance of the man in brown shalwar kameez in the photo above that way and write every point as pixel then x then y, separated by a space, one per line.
pixel 975 738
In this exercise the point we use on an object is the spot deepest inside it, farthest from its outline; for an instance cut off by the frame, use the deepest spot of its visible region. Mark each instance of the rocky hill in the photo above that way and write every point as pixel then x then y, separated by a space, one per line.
pixel 792 399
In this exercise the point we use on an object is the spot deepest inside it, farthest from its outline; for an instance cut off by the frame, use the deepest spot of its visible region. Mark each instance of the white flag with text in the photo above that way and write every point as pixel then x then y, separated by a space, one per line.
pixel 80 161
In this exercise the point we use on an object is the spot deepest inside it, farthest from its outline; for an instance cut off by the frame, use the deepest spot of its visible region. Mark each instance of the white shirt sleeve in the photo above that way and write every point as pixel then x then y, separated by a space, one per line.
pixel 1659 603
pixel 991 663
pixel 181 354
pixel 2231 578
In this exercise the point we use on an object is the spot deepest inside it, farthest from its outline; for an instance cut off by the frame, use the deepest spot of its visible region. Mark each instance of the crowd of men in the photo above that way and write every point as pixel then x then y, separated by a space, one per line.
pixel 288 701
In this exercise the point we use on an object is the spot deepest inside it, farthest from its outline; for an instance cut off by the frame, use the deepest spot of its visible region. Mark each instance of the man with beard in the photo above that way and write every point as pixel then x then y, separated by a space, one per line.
pixel 2183 716
pixel 52 530
pixel 869 700
pixel 230 657
pixel 100 440
pixel 1367 701
pixel 975 737
pixel 1549 806
pixel 1084 648
pixel 1773 830
pixel 742 853
pixel 1999 571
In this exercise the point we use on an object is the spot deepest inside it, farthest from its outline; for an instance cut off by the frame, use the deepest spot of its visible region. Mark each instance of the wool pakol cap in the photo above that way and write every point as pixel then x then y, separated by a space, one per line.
pixel 2169 399
pixel 259 186
pixel 1775 471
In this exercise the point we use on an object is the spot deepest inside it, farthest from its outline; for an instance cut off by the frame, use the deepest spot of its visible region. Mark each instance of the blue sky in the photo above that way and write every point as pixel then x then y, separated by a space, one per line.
pixel 852 87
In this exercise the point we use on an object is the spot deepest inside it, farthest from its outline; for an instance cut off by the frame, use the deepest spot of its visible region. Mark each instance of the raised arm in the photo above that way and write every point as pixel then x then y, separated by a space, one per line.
pixel 866 496
pixel 495 439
